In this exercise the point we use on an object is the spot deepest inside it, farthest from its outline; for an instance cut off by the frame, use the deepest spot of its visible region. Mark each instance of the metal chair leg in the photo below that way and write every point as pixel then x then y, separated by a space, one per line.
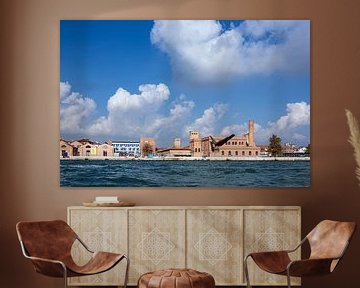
pixel 65 275
pixel 288 278
pixel 246 270
pixel 127 271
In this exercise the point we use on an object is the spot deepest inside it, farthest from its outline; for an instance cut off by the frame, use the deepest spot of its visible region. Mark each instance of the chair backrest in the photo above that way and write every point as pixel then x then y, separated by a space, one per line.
pixel 46 239
pixel 329 239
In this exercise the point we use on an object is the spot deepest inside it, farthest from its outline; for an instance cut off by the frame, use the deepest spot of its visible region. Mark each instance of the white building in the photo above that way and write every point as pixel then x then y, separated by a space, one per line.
pixel 126 148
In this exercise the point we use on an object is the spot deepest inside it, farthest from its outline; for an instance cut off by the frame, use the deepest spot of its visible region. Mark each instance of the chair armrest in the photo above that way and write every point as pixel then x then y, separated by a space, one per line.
pixel 48 267
pixel 309 267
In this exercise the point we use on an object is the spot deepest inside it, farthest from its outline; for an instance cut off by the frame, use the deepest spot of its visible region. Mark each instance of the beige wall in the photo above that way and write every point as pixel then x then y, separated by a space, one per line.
pixel 29 111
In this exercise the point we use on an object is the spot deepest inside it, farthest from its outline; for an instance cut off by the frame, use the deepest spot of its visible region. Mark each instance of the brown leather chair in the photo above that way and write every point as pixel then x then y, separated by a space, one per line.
pixel 328 242
pixel 48 245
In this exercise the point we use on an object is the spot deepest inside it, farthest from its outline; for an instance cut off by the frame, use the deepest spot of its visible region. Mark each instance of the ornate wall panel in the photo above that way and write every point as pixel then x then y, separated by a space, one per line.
pixel 101 230
pixel 268 230
pixel 210 239
pixel 214 241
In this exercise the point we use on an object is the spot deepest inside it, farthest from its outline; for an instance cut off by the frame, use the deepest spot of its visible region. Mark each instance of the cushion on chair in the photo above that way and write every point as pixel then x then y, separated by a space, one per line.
pixel 176 278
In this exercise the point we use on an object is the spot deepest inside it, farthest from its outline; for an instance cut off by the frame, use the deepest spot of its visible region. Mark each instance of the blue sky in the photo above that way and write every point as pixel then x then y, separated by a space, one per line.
pixel 121 80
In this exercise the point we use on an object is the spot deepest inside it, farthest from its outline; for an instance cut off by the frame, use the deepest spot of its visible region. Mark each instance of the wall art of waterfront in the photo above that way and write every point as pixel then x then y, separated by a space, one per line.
pixel 100 173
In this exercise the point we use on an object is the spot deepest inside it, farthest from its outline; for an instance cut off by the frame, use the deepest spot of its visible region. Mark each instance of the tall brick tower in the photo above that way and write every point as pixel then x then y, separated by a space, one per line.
pixel 251 133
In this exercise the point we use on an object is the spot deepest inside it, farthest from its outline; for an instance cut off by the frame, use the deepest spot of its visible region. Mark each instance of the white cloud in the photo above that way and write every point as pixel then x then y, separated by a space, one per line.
pixel 151 96
pixel 131 116
pixel 208 123
pixel 65 89
pixel 75 110
pixel 237 129
pixel 204 51
pixel 289 127
pixel 297 114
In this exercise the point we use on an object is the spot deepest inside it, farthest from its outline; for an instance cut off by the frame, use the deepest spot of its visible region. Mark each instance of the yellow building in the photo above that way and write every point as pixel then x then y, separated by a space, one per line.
pixel 88 149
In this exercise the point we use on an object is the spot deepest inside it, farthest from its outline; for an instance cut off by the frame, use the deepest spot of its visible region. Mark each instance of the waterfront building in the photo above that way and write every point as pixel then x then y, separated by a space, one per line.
pixel 176 150
pixel 88 149
pixel 264 150
pixel 147 141
pixel 177 142
pixel 76 144
pixel 85 147
pixel 105 150
pixel 238 146
pixel 66 149
pixel 195 144
pixel 126 148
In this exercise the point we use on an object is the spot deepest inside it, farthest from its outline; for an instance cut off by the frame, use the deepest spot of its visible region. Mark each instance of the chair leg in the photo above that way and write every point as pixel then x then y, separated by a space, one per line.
pixel 65 276
pixel 127 271
pixel 288 278
pixel 246 270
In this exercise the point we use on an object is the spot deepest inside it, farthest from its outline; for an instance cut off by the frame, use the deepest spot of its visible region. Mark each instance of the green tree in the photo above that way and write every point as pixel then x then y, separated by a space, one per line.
pixel 275 145
pixel 147 149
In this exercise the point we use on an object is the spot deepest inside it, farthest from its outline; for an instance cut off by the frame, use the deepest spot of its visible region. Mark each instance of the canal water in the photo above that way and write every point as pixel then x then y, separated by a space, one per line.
pixel 139 173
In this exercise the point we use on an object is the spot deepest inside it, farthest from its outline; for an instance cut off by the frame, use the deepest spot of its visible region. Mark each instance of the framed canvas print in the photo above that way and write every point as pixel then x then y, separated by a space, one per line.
pixel 184 103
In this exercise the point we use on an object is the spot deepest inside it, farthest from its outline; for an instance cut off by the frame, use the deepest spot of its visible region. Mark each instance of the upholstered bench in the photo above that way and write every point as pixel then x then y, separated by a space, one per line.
pixel 176 278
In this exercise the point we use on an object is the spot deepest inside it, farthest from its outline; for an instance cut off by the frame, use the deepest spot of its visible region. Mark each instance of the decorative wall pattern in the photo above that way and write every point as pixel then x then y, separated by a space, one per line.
pixel 209 239
pixel 270 230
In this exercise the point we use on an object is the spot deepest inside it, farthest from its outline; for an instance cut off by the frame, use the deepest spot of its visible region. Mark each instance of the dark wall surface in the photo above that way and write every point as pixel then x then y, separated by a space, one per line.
pixel 29 117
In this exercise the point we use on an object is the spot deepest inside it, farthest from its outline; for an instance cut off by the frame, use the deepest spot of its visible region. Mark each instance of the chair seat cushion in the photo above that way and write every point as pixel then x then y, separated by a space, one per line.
pixel 176 278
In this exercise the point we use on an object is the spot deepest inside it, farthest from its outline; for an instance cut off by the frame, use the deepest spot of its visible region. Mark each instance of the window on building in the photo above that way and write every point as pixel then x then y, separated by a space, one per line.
pixel 235 142
pixel 257 153
pixel 222 153
pixel 242 153
pixel 249 152
pixel 229 153
pixel 236 153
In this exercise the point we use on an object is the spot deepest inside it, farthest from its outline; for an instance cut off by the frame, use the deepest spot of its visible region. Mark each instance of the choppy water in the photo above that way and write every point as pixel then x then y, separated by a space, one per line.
pixel 100 173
